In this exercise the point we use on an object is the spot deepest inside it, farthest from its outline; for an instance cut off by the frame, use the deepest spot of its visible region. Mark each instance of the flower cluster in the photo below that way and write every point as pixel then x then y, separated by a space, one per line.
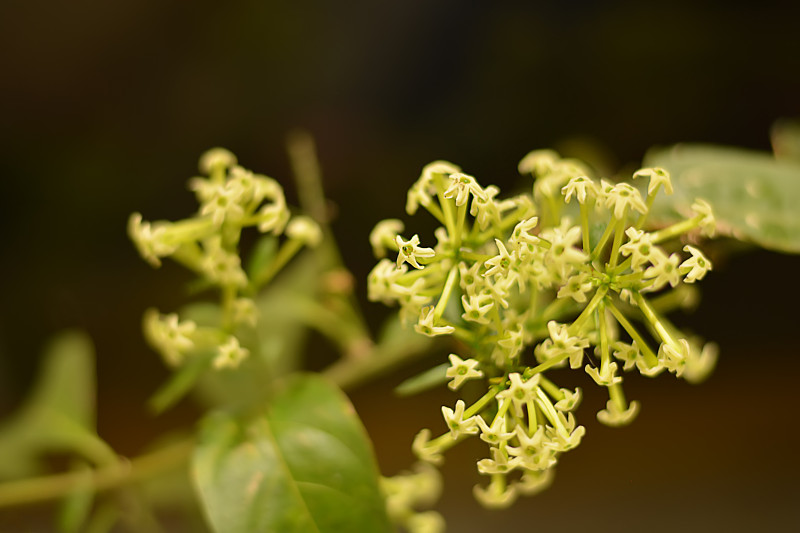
pixel 231 198
pixel 568 275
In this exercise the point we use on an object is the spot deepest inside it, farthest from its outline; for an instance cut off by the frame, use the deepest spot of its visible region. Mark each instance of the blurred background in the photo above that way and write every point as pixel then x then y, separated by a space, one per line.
pixel 106 106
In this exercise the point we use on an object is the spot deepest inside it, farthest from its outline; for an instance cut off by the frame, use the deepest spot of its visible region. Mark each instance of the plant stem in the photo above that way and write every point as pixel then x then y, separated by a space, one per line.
pixel 121 473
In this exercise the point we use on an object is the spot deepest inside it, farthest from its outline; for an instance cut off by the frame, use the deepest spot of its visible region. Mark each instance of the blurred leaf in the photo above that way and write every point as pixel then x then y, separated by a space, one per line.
pixel 281 332
pixel 77 505
pixel 433 377
pixel 753 195
pixel 181 382
pixel 785 137
pixel 261 255
pixel 67 382
pixel 305 464
pixel 59 415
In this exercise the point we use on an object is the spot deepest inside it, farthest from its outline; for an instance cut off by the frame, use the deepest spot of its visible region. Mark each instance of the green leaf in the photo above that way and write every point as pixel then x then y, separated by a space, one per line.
pixel 59 415
pixel 433 377
pixel 754 196
pixel 303 465
pixel 261 255
pixel 180 382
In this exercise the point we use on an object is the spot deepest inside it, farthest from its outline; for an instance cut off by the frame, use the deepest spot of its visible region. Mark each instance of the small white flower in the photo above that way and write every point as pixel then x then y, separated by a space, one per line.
pixel 273 216
pixel 576 287
pixel 498 464
pixel 384 235
pixel 538 162
pixel 221 266
pixel 697 265
pixel 627 353
pixel 624 196
pixel 305 230
pixel 565 435
pixel 522 238
pixel 169 335
pixel 426 326
pixel 520 392
pixel 605 376
pixel 224 203
pixel 531 452
pixel 613 416
pixel 457 424
pixel 381 280
pixel 230 354
pixel 664 270
pixel 461 186
pixel 581 186
pixel 570 400
pixel 673 357
pixel 496 495
pixel 150 239
pixel 425 522
pixel 245 311
pixel 561 345
pixel 658 176
pixel 496 433
pixel 563 256
pixel 424 450
pixel 475 308
pixel 708 224
pixel 409 251
pixel 461 370
pixel 534 482
pixel 214 158
pixel 700 363
pixel 485 210
pixel 424 189
pixel 640 247
pixel 500 264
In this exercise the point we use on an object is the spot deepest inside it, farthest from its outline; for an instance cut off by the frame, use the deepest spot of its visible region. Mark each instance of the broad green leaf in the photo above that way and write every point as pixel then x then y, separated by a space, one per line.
pixel 305 464
pixel 59 415
pixel 755 197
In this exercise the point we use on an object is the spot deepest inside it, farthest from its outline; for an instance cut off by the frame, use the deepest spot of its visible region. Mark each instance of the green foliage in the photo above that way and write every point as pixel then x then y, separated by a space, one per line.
pixel 753 194
pixel 59 414
pixel 303 464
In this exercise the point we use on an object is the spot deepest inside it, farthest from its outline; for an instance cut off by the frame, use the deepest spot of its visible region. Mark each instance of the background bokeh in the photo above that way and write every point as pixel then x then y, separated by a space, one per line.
pixel 105 107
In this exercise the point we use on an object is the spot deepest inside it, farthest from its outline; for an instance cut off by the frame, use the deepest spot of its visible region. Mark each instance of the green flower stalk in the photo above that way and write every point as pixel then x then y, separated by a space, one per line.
pixel 564 276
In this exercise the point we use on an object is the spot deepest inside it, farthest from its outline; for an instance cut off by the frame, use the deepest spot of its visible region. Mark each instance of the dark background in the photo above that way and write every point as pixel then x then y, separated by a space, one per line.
pixel 105 107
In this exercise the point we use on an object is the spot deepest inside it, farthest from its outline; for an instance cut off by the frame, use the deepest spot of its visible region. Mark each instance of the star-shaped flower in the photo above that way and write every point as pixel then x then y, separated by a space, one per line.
pixel 613 416
pixel 461 370
pixel 230 354
pixel 410 250
pixel 456 423
pixel 581 186
pixel 461 186
pixel 426 326
pixel 658 176
pixel 697 265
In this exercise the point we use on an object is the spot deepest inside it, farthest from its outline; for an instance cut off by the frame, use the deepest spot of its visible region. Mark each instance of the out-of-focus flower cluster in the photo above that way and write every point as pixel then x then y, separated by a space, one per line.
pixel 568 275
pixel 231 199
